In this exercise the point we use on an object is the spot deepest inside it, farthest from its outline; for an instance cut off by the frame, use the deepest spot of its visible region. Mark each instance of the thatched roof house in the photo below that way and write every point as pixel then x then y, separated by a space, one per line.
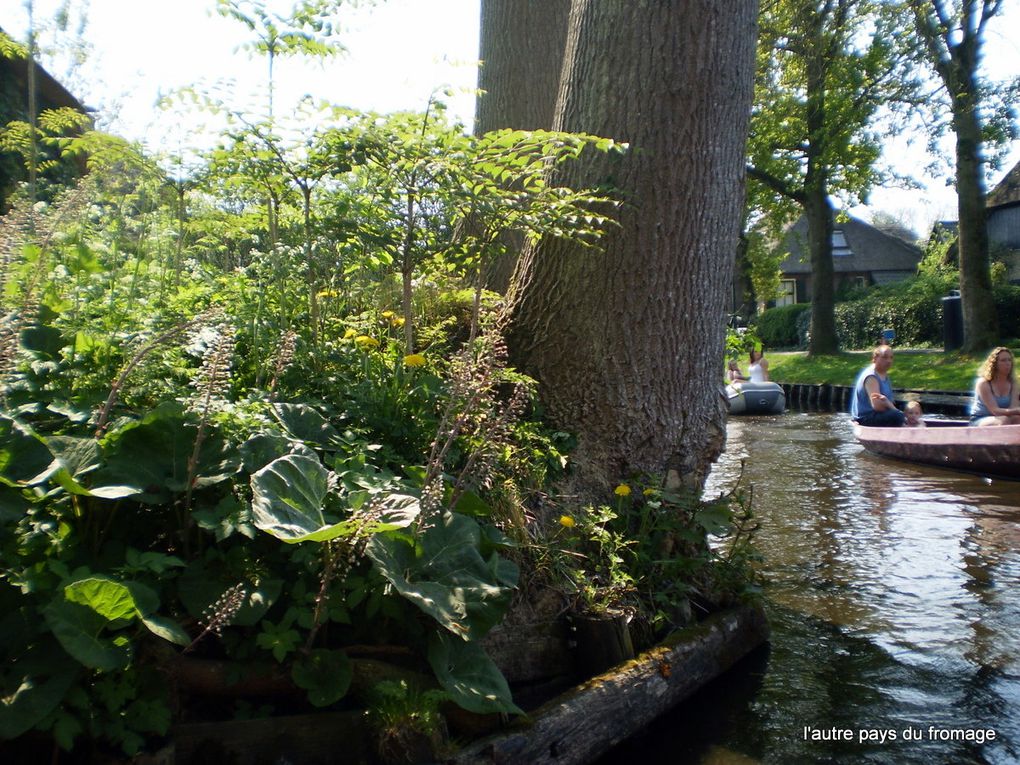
pixel 862 255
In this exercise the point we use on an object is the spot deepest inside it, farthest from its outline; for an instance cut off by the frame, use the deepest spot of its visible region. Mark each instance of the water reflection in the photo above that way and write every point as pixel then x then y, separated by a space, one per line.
pixel 893 595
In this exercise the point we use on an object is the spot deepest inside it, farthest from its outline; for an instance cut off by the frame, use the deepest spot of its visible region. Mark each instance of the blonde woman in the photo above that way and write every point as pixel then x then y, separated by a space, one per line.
pixel 996 396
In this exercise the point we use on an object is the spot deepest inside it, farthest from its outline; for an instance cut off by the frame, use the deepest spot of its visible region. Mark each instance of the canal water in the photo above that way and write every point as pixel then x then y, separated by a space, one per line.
pixel 894 596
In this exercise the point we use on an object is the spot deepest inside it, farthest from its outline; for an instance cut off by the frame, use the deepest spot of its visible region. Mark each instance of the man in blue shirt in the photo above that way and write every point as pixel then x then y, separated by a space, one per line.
pixel 873 400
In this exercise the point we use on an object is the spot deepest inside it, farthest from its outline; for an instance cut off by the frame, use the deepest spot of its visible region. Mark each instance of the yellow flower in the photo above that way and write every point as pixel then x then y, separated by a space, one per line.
pixel 397 321
pixel 365 342
pixel 327 293
pixel 623 490
pixel 387 314
pixel 349 334
pixel 650 492
pixel 414 360
pixel 566 522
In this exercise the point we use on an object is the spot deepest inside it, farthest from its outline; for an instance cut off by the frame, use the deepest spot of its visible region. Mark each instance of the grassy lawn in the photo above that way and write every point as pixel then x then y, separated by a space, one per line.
pixel 921 369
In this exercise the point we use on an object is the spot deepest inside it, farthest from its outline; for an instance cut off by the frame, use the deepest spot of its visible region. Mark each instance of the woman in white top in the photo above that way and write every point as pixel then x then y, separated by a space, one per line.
pixel 759 369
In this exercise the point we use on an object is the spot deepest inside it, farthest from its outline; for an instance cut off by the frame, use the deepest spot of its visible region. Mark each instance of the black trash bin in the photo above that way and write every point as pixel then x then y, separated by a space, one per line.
pixel 952 321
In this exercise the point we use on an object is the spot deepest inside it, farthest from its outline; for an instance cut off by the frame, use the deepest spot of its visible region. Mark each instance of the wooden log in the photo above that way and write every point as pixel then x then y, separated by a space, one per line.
pixel 581 724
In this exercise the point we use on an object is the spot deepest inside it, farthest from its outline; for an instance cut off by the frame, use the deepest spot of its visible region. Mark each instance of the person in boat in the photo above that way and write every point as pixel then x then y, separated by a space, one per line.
pixel 758 371
pixel 914 415
pixel 873 401
pixel 733 373
pixel 996 396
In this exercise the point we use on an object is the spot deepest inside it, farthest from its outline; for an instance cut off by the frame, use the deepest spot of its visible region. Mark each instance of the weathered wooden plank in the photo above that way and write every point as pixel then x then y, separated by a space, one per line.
pixel 579 725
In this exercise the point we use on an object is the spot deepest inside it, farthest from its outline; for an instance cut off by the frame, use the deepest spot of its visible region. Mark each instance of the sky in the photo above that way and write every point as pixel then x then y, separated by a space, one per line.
pixel 399 53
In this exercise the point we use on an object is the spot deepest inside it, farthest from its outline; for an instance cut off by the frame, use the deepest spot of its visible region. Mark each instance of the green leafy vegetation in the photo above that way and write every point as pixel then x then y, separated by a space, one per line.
pixel 258 416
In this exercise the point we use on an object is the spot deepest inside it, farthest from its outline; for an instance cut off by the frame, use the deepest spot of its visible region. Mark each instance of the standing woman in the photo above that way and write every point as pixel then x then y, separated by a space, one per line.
pixel 996 396
pixel 759 369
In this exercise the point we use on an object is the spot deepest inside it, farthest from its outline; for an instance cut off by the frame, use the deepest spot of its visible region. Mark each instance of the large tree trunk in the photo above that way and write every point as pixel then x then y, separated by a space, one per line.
pixel 980 321
pixel 521 47
pixel 627 342
pixel 817 208
pixel 818 211
pixel 954 50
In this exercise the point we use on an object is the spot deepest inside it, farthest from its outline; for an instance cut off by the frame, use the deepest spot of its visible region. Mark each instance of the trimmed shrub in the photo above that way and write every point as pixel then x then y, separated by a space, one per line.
pixel 913 309
pixel 777 327
pixel 1007 304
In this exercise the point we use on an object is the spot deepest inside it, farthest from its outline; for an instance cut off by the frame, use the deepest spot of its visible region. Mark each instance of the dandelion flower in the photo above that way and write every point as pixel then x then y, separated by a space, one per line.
pixel 397 321
pixel 623 490
pixel 349 334
pixel 566 522
pixel 387 314
pixel 650 492
pixel 414 360
pixel 365 342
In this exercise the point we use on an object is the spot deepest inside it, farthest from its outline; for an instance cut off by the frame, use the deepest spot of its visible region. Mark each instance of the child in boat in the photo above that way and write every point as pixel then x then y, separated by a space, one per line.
pixel 913 412
pixel 734 374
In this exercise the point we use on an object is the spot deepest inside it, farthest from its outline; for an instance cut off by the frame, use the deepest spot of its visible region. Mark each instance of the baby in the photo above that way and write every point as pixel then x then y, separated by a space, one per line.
pixel 913 412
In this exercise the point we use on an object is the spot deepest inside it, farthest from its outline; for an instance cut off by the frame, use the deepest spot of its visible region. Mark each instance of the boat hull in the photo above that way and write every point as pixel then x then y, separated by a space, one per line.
pixel 755 398
pixel 992 451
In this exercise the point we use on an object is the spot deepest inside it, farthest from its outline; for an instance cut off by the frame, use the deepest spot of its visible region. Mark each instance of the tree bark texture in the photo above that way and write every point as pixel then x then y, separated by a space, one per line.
pixel 817 207
pixel 521 48
pixel 627 341
pixel 980 321
pixel 953 35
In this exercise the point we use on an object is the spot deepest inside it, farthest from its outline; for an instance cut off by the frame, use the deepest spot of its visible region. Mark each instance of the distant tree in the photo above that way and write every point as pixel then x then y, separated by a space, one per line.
pixel 627 342
pixel 950 36
pixel 894 225
pixel 824 69
pixel 307 30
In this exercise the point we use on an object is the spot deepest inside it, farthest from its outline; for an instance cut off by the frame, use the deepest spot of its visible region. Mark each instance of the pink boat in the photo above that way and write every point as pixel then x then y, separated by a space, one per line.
pixel 991 451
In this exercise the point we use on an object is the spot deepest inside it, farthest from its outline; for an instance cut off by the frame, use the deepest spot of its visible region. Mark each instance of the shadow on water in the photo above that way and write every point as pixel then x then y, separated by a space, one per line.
pixel 892 592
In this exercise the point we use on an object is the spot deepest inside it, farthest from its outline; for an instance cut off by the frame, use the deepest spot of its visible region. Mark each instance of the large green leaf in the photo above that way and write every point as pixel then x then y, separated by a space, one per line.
pixel 326 675
pixel 262 448
pixel 24 458
pixel 13 503
pixel 110 599
pixel 75 457
pixel 152 455
pixel 446 576
pixel 79 630
pixel 289 495
pixel 32 686
pixel 469 676
pixel 306 424
pixel 90 606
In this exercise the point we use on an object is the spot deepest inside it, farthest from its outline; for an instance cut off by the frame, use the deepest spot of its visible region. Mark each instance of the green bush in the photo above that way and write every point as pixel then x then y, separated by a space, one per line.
pixel 1007 304
pixel 777 327
pixel 913 309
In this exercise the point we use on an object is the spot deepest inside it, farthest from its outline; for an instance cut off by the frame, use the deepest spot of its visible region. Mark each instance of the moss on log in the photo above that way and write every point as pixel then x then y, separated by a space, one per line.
pixel 579 725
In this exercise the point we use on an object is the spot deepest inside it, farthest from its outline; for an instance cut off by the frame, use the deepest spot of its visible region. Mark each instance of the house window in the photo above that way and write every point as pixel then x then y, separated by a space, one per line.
pixel 860 282
pixel 787 292
pixel 840 247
